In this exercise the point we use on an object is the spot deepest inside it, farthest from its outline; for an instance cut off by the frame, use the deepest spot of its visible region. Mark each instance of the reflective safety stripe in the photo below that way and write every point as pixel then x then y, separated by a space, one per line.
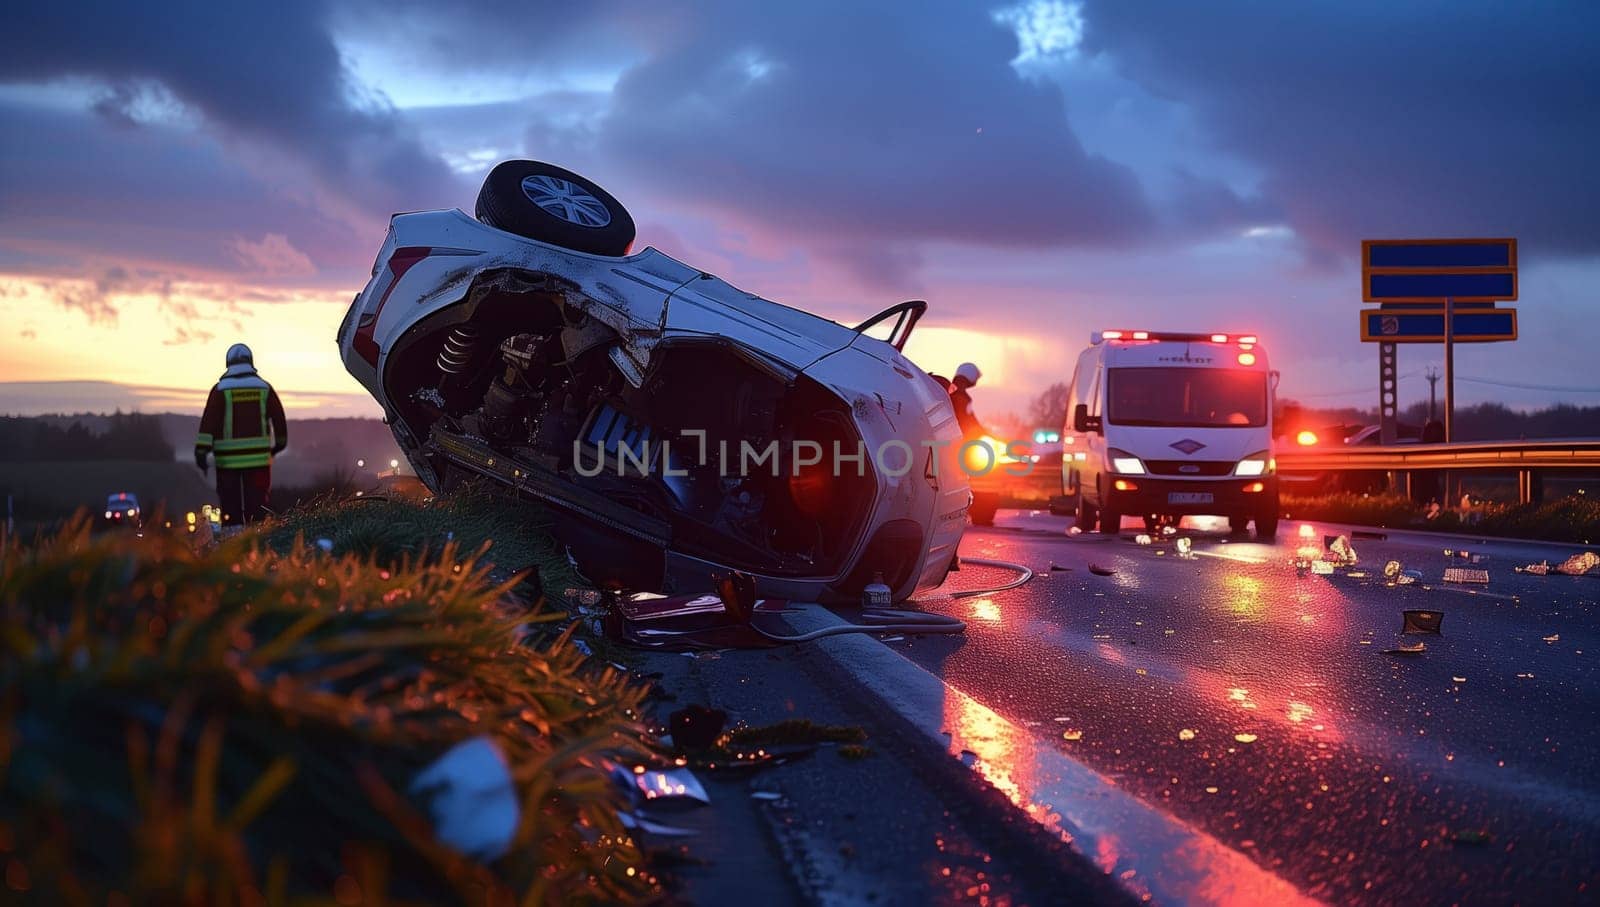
pixel 245 444
pixel 243 460
pixel 203 440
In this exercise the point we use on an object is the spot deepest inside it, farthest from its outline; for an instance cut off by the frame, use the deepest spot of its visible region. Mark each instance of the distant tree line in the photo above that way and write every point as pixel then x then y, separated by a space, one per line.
pixel 1480 422
pixel 128 436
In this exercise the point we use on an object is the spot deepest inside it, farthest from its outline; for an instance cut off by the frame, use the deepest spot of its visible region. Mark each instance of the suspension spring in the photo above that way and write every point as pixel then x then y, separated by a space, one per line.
pixel 458 349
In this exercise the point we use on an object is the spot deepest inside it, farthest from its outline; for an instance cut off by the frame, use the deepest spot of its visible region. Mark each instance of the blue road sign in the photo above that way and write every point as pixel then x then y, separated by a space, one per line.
pixel 1433 270
pixel 1427 325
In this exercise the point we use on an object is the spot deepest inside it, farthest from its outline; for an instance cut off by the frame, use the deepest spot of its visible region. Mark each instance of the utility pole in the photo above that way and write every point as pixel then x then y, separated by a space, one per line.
pixel 1433 386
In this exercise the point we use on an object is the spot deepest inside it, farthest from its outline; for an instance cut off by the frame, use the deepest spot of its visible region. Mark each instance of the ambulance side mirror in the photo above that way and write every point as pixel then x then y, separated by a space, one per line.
pixel 1082 422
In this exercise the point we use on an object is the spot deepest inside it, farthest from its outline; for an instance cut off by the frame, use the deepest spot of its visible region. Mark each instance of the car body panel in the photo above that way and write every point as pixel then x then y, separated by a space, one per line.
pixel 431 261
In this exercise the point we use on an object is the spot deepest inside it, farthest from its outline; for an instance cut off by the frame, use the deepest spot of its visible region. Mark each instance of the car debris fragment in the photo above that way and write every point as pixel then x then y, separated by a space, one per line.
pixel 1466 576
pixel 1397 575
pixel 1579 564
pixel 696 727
pixel 471 797
pixel 661 787
pixel 1415 648
pixel 1340 552
pixel 1418 621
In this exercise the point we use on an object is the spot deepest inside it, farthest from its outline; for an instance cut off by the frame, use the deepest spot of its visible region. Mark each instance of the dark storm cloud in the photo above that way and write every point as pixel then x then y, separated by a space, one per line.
pixel 267 72
pixel 1383 119
pixel 871 123
pixel 78 189
pixel 856 130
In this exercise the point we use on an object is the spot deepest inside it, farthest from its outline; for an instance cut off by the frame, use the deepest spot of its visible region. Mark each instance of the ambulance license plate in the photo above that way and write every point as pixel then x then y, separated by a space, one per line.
pixel 1188 497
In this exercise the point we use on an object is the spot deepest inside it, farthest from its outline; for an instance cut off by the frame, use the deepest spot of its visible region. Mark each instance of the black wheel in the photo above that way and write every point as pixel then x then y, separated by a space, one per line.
pixel 1152 524
pixel 1086 516
pixel 1110 522
pixel 553 205
pixel 1267 522
pixel 1238 523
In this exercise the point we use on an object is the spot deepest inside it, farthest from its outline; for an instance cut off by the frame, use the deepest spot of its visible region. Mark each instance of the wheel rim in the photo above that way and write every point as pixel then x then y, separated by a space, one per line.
pixel 566 200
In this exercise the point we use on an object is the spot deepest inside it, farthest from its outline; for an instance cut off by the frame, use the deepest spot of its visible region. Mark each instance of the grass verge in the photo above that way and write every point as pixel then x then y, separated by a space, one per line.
pixel 243 725
pixel 1569 519
pixel 512 535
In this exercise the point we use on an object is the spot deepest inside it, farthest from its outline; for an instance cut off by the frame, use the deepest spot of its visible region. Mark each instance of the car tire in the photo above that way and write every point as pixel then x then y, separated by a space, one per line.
pixel 553 205
pixel 1110 522
pixel 1267 523
pixel 1085 516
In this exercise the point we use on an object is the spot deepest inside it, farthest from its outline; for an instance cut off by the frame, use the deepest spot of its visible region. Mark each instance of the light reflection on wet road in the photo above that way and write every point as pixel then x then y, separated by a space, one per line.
pixel 1257 704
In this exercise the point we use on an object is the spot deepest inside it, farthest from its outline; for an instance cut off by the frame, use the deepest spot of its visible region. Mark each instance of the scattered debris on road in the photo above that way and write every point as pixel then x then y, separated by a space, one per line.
pixel 695 727
pixel 1466 576
pixel 1414 648
pixel 471 797
pixel 1340 552
pixel 1579 564
pixel 1416 621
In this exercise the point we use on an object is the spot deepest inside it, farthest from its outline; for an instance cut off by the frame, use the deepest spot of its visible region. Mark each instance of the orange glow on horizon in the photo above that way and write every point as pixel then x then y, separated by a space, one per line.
pixel 168 348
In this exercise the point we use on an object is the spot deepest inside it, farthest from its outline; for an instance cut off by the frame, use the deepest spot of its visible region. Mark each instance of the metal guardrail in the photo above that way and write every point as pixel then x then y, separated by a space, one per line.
pixel 1528 459
pixel 1506 455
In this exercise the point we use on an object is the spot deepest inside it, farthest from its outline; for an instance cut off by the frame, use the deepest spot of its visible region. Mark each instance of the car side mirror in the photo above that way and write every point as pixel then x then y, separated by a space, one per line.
pixel 1082 422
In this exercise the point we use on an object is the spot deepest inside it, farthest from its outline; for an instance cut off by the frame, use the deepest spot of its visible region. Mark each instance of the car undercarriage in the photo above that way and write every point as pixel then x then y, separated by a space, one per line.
pixel 520 384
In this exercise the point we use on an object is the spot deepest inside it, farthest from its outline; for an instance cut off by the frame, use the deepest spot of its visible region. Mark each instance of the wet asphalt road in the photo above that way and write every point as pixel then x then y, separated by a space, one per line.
pixel 1257 704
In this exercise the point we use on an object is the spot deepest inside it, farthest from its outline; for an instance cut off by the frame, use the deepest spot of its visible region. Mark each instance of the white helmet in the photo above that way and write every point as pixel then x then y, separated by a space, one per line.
pixel 968 371
pixel 239 354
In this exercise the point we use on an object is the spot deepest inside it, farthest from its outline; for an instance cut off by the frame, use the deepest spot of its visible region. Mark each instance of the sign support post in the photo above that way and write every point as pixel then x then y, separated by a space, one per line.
pixel 1388 392
pixel 1449 369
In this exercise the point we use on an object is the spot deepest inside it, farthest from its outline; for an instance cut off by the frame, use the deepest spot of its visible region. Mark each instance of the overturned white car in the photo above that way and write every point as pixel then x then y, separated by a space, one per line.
pixel 676 427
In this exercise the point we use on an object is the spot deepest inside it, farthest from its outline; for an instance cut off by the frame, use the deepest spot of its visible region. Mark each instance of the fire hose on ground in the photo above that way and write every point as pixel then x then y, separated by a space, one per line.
pixel 901 620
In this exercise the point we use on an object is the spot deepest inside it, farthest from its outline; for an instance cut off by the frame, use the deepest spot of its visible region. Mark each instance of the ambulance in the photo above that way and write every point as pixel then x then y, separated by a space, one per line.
pixel 1162 425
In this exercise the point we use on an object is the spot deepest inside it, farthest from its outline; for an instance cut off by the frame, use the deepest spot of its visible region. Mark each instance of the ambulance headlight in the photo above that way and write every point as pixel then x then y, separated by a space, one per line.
pixel 1257 464
pixel 1125 463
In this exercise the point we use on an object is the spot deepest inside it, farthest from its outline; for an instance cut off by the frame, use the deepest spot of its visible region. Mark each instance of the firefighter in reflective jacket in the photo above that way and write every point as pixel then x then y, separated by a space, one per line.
pixel 244 428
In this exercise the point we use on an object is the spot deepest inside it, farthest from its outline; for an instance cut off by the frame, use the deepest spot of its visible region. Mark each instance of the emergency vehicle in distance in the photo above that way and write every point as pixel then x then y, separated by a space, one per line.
pixel 1162 425
pixel 122 509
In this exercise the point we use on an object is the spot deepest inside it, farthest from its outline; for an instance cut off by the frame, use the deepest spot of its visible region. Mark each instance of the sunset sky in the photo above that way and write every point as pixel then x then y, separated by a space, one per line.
pixel 176 177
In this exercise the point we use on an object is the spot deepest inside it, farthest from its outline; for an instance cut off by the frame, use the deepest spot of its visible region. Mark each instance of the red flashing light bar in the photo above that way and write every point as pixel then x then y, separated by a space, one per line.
pixel 1245 340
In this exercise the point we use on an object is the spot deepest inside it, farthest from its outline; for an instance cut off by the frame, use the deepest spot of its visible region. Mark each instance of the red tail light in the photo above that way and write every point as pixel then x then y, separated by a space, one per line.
pixel 811 488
